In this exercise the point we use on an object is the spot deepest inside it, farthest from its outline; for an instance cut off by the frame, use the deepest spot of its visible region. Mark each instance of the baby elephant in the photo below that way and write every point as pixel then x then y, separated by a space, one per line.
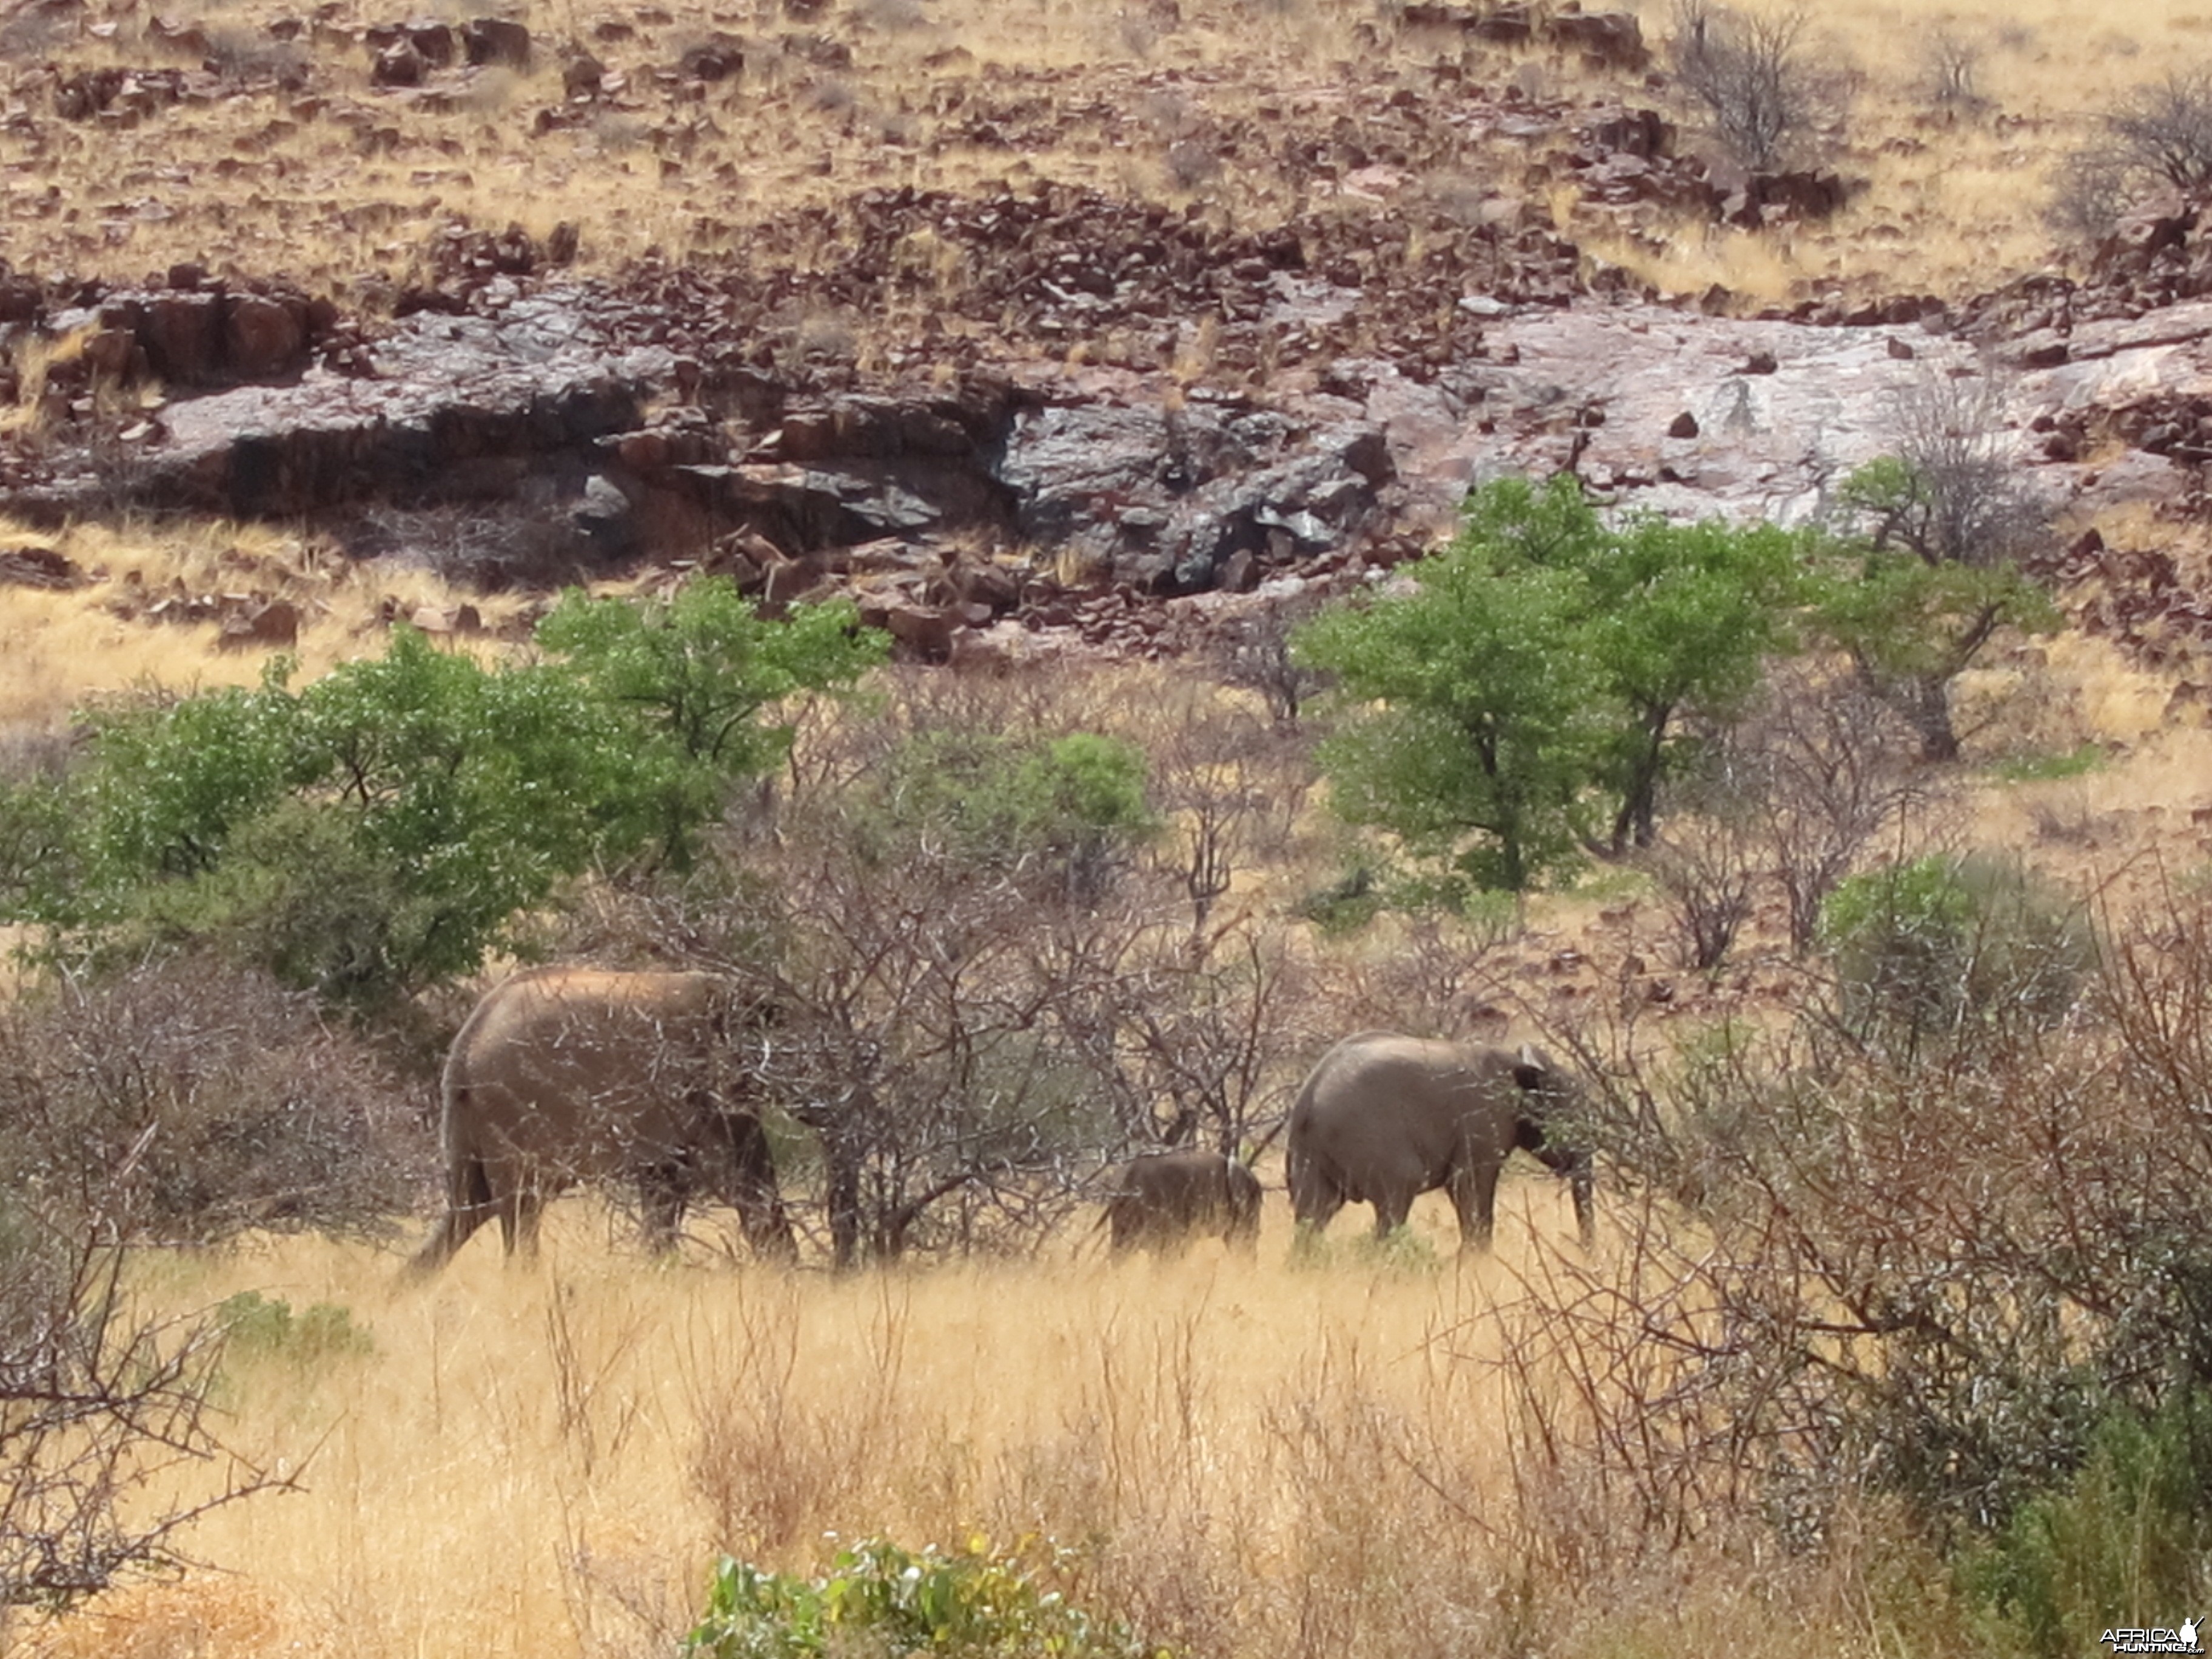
pixel 1161 1200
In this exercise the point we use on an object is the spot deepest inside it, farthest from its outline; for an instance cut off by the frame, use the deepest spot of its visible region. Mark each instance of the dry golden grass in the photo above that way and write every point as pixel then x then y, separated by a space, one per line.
pixel 1955 191
pixel 340 186
pixel 61 648
pixel 544 1462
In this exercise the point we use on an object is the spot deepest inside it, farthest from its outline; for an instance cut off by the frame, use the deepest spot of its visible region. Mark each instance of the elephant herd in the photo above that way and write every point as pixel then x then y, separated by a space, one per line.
pixel 567 1075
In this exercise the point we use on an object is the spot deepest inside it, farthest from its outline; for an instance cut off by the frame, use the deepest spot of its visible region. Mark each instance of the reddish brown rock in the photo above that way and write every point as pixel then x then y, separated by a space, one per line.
pixel 183 337
pixel 399 64
pixel 263 337
pixel 581 75
pixel 715 58
pixel 270 625
pixel 924 631
pixel 496 40
pixel 38 567
pixel 1612 39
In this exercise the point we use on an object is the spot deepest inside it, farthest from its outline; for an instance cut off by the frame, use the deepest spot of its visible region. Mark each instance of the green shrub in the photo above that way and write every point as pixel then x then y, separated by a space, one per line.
pixel 1063 808
pixel 1346 905
pixel 878 1598
pixel 2123 1542
pixel 256 1327
pixel 2049 766
pixel 1928 948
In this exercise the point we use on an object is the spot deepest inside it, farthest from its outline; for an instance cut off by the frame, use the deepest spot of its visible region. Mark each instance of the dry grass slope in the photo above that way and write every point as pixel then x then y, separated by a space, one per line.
pixel 1260 1458
pixel 287 160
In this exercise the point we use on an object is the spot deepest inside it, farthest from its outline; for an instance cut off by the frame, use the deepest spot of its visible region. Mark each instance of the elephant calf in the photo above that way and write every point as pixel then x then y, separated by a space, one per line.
pixel 563 1075
pixel 1163 1199
pixel 1383 1118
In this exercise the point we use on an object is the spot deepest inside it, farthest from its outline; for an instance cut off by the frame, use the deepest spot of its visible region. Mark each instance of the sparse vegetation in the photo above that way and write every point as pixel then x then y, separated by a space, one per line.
pixel 256 1327
pixel 1752 73
pixel 2156 136
pixel 971 1603
pixel 1894 1339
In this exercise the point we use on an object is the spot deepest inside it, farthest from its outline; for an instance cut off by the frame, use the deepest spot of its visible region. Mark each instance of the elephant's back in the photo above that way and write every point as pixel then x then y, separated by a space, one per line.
pixel 1382 1106
pixel 1373 1065
pixel 557 1009
pixel 550 1048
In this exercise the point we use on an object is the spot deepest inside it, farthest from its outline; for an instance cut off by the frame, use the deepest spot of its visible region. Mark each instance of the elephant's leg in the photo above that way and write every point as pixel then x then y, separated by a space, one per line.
pixel 1242 1233
pixel 1315 1196
pixel 525 1209
pixel 1475 1197
pixel 843 1195
pixel 1392 1205
pixel 468 1206
pixel 754 1192
pixel 1125 1226
pixel 661 1191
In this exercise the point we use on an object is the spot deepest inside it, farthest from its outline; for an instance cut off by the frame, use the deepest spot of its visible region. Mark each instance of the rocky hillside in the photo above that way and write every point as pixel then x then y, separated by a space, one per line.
pixel 1006 412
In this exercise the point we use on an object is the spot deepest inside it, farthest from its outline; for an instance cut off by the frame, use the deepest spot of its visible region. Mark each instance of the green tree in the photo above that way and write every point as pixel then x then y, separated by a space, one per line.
pixel 369 833
pixel 1685 616
pixel 384 827
pixel 1930 571
pixel 1540 663
pixel 696 670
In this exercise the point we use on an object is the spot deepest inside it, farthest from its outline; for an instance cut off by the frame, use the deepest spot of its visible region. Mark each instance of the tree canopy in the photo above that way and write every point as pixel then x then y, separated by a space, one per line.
pixel 1531 677
pixel 1929 574
pixel 384 827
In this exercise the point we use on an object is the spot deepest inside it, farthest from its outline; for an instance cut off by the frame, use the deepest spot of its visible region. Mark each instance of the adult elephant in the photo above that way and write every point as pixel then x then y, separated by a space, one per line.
pixel 563 1075
pixel 1385 1117
pixel 1161 1200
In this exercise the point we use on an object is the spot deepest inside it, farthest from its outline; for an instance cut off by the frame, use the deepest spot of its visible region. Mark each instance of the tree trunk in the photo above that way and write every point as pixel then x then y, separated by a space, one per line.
pixel 842 1160
pixel 1924 699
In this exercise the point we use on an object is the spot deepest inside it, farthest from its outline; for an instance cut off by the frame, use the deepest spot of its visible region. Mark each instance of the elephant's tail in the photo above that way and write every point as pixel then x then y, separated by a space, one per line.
pixel 468 1201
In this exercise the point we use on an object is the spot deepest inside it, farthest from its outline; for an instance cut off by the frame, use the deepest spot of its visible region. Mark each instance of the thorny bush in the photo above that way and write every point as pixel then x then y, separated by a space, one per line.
pixel 173 1102
pixel 221 1099
pixel 1840 1273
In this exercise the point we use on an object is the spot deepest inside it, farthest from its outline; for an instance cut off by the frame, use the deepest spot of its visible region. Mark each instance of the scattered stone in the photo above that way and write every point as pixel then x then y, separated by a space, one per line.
pixel 715 58
pixel 270 625
pixel 496 40
pixel 1611 39
pixel 581 75
pixel 399 64
pixel 38 567
pixel 264 337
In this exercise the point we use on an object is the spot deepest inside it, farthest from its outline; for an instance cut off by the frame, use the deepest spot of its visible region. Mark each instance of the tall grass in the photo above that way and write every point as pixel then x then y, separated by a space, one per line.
pixel 1246 1458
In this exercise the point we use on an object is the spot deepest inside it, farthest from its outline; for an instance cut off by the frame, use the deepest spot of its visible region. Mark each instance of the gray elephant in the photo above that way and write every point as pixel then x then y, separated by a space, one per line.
pixel 1384 1117
pixel 1161 1200
pixel 563 1075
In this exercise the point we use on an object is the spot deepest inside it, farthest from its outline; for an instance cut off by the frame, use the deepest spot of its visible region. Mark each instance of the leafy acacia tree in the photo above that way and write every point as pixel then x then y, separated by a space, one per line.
pixel 1933 572
pixel 1540 664
pixel 695 670
pixel 381 829
pixel 1685 615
